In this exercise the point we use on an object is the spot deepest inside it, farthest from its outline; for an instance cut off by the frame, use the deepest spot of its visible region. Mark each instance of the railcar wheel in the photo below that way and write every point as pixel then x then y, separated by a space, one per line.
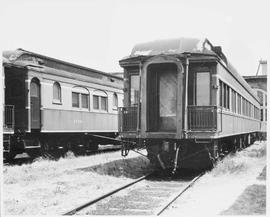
pixel 216 151
pixel 78 149
pixel 91 145
pixel 245 141
pixel 241 143
pixel 44 148
pixel 33 153
pixel 9 156
pixel 248 140
pixel 235 145
pixel 94 146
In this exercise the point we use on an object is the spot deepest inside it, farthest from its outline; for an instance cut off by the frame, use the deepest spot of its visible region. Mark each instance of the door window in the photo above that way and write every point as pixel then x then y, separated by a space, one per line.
pixel 134 89
pixel 34 89
pixel 202 88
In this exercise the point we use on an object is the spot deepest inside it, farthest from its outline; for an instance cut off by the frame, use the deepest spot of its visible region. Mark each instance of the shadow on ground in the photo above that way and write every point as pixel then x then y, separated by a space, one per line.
pixel 139 166
pixel 127 167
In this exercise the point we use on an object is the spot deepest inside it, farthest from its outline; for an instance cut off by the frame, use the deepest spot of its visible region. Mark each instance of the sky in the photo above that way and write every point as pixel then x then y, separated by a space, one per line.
pixel 98 33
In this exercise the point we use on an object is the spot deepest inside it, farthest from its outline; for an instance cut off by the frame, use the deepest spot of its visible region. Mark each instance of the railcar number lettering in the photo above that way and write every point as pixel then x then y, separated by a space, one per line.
pixel 77 121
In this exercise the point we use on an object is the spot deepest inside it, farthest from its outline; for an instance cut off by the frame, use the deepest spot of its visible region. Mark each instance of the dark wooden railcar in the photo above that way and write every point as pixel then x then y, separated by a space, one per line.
pixel 185 103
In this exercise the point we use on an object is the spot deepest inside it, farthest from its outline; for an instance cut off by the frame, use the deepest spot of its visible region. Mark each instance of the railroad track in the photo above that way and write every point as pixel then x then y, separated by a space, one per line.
pixel 147 195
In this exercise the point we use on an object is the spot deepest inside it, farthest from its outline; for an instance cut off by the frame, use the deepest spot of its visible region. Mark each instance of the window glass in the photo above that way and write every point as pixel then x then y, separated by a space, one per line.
pixel 34 89
pixel 75 100
pixel 228 97
pixel 220 93
pixel 239 104
pixel 56 92
pixel 261 114
pixel 203 89
pixel 234 101
pixel 95 102
pixel 243 106
pixel 103 103
pixel 85 103
pixel 224 95
pixel 134 89
pixel 115 100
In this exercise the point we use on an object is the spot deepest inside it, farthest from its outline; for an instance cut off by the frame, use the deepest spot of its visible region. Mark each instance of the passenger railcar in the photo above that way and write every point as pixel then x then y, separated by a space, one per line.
pixel 55 105
pixel 185 103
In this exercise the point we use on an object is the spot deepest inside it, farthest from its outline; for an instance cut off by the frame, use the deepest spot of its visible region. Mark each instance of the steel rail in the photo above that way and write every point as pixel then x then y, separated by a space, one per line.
pixel 74 211
pixel 170 201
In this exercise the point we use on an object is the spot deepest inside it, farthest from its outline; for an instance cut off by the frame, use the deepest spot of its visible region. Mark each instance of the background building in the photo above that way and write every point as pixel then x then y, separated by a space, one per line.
pixel 259 84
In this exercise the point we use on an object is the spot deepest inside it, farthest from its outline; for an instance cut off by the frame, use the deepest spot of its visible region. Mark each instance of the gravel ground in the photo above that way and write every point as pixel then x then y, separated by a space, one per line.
pixel 220 188
pixel 54 187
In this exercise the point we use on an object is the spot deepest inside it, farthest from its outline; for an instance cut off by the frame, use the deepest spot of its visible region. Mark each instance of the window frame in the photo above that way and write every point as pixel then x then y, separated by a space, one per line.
pixel 99 94
pixel 225 95
pixel 77 94
pixel 57 101
pixel 115 101
pixel 208 73
pixel 135 96
pixel 80 91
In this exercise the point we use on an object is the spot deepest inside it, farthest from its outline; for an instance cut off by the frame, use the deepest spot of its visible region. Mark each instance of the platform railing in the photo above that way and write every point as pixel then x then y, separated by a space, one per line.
pixel 203 118
pixel 8 117
pixel 127 119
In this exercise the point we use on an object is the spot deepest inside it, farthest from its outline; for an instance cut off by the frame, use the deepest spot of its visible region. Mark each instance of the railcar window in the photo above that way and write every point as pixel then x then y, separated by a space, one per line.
pixel 220 93
pixel 95 102
pixel 243 106
pixel 100 102
pixel 56 92
pixel 115 100
pixel 255 113
pixel 75 100
pixel 224 95
pixel 249 110
pixel 85 103
pixel 34 89
pixel 228 97
pixel 203 88
pixel 233 101
pixel 103 102
pixel 134 89
pixel 239 104
pixel 80 98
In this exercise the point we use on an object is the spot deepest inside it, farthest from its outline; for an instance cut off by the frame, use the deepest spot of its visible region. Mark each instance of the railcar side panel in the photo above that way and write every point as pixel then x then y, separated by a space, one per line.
pixel 233 124
pixel 78 121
